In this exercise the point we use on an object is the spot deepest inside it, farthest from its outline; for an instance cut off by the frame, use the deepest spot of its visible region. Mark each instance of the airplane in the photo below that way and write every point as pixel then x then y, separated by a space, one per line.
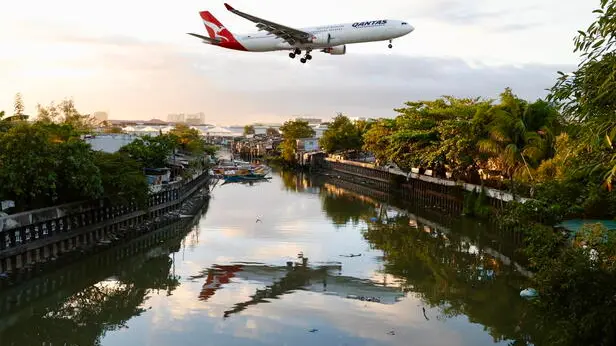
pixel 330 39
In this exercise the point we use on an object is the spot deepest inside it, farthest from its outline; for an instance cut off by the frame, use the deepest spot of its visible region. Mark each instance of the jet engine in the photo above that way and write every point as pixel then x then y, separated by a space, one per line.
pixel 336 50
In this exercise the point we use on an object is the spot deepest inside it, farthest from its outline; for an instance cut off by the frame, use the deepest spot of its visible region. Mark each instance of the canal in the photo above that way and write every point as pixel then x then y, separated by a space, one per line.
pixel 365 270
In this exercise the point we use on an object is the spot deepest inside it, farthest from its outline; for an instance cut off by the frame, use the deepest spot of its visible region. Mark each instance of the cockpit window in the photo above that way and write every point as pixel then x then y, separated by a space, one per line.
pixel 404 23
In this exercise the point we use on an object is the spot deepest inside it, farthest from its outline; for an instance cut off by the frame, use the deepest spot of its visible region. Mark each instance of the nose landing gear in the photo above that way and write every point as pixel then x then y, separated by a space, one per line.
pixel 390 45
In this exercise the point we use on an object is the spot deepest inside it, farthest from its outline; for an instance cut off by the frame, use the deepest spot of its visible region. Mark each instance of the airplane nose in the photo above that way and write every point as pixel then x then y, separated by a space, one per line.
pixel 411 28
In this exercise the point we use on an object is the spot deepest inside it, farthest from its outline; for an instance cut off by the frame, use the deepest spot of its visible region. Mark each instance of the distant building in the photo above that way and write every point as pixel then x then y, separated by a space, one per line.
pixel 190 119
pixel 311 121
pixel 195 119
pixel 176 118
pixel 109 143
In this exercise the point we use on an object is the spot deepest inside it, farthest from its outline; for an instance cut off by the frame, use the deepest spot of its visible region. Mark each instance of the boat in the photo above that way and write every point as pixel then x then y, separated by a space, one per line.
pixel 233 171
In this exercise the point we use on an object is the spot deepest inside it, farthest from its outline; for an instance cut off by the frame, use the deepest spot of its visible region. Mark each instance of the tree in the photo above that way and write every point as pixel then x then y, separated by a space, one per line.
pixel 27 166
pixel 47 114
pixel 296 129
pixel 518 134
pixel 44 164
pixel 292 130
pixel 376 140
pixel 19 107
pixel 122 178
pixel 186 139
pixel 272 132
pixel 587 97
pixel 66 113
pixel 4 123
pixel 437 134
pixel 150 152
pixel 341 135
pixel 77 175
pixel 249 130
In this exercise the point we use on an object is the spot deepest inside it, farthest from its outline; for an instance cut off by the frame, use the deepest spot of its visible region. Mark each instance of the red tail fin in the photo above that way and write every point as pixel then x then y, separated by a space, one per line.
pixel 215 29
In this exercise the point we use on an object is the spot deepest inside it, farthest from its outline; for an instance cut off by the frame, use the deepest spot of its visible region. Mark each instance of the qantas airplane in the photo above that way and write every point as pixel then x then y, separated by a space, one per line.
pixel 331 39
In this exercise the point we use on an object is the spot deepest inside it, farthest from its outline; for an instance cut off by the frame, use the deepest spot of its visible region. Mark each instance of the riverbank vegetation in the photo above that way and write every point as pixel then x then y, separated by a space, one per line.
pixel 560 152
pixel 46 162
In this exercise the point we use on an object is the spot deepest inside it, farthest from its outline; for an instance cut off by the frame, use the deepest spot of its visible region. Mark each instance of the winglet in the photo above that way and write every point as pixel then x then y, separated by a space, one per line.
pixel 229 7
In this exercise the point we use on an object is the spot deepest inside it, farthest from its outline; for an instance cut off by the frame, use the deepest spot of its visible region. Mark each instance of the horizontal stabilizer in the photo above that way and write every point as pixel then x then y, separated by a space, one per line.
pixel 204 38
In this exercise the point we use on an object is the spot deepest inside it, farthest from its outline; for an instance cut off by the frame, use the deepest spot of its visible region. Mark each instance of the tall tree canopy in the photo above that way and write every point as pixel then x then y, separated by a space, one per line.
pixel 342 134
pixel 292 130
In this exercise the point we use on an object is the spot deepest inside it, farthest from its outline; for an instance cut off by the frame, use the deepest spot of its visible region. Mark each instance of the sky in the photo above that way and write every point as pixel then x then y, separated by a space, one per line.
pixel 134 60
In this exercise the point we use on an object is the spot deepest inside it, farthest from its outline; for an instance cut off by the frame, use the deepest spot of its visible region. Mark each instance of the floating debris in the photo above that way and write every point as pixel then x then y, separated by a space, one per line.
pixel 529 293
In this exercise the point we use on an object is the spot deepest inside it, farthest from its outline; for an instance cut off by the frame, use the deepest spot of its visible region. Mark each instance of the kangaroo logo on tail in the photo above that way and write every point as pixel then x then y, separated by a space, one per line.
pixel 215 29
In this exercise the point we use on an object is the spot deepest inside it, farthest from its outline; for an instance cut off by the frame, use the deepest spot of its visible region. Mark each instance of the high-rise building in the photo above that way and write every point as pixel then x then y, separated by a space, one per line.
pixel 195 118
pixel 175 118
pixel 311 121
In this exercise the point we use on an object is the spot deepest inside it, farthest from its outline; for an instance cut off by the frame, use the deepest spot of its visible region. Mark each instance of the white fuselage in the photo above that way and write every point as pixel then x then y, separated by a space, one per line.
pixel 327 36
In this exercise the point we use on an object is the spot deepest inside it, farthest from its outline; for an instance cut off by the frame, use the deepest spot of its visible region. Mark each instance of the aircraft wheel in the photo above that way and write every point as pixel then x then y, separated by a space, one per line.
pixel 298 51
pixel 390 45
pixel 292 55
pixel 308 56
pixel 303 60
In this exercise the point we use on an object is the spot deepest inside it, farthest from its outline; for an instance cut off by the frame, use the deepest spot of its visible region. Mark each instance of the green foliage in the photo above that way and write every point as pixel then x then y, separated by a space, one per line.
pixel 19 107
pixel 341 135
pixel 587 97
pixel 186 139
pixel 272 132
pixel 122 178
pixel 576 283
pixel 292 130
pixel 78 176
pixel 43 164
pixel 249 130
pixel 296 129
pixel 377 141
pixel 476 204
pixel 151 152
pixel 65 113
pixel 438 134
pixel 518 135
pixel 590 92
pixel 210 150
pixel 27 166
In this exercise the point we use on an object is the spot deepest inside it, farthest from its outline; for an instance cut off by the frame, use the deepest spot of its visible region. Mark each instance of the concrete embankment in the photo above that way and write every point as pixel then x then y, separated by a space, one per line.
pixel 33 239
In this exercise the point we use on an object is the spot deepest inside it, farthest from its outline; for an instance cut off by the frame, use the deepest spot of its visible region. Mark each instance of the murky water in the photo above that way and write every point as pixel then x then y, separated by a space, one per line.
pixel 365 272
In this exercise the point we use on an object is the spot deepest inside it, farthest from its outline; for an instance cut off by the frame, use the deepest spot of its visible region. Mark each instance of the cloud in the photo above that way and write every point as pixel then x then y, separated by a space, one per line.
pixel 476 13
pixel 145 66
pixel 372 85
pixel 148 79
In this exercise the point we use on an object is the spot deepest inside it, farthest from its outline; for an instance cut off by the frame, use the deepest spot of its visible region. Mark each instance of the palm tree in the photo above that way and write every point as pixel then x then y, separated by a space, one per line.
pixel 518 134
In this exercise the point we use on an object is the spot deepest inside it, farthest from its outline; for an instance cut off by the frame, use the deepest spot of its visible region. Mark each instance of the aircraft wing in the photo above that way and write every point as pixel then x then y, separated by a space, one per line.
pixel 205 38
pixel 286 33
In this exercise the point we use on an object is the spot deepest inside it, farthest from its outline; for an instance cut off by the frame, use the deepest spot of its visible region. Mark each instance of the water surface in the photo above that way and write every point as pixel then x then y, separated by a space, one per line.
pixel 364 271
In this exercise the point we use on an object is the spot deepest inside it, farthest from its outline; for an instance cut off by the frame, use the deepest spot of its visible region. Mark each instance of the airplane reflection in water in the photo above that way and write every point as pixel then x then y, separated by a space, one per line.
pixel 280 280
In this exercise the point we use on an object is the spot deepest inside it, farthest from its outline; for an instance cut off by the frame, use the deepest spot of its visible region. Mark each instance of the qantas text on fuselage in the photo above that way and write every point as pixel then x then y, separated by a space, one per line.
pixel 331 39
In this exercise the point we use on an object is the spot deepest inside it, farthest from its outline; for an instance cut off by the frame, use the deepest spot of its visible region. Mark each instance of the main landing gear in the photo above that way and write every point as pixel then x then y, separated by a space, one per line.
pixel 390 45
pixel 297 51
